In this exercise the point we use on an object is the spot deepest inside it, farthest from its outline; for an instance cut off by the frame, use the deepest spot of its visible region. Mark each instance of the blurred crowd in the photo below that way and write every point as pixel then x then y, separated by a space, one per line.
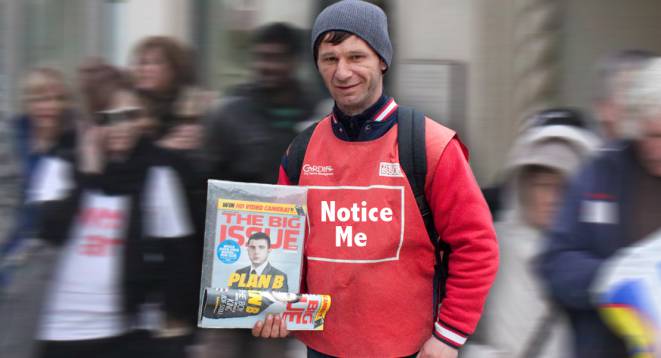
pixel 91 255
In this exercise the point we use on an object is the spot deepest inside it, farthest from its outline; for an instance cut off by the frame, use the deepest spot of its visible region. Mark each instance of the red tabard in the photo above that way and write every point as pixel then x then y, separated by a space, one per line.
pixel 367 248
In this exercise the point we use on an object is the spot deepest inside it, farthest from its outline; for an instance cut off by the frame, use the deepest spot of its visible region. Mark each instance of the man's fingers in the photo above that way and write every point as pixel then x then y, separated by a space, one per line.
pixel 283 329
pixel 271 327
pixel 257 329
pixel 266 331
pixel 275 332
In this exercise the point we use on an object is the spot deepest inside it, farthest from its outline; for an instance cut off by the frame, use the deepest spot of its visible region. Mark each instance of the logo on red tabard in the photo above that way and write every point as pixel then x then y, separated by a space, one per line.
pixel 390 170
pixel 323 170
pixel 356 224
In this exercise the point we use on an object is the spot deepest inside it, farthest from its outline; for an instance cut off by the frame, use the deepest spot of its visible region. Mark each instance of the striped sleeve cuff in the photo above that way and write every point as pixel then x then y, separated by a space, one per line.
pixel 449 335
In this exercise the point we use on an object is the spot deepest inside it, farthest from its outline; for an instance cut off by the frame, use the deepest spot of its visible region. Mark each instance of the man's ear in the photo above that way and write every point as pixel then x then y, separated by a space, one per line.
pixel 383 66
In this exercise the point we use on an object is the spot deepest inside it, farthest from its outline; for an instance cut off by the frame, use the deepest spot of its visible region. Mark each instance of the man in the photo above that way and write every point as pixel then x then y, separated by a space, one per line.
pixel 611 204
pixel 613 78
pixel 259 248
pixel 247 134
pixel 368 247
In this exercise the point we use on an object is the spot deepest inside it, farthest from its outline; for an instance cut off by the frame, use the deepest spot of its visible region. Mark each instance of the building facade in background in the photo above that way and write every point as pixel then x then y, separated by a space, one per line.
pixel 479 66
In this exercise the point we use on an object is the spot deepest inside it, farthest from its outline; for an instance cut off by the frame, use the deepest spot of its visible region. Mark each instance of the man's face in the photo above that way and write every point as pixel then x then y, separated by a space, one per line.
pixel 258 251
pixel 273 66
pixel 649 146
pixel 352 72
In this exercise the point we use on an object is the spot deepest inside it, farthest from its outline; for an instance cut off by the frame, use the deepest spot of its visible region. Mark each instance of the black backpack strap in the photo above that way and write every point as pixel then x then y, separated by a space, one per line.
pixel 413 160
pixel 296 154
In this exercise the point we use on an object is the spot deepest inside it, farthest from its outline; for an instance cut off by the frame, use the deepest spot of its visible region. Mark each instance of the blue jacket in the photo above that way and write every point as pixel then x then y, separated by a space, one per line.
pixel 590 227
pixel 26 215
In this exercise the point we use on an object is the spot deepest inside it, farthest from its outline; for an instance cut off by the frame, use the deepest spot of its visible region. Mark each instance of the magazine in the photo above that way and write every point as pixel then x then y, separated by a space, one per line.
pixel 300 311
pixel 253 256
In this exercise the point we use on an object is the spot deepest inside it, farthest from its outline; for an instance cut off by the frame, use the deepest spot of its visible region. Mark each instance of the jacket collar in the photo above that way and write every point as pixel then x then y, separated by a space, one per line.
pixel 370 124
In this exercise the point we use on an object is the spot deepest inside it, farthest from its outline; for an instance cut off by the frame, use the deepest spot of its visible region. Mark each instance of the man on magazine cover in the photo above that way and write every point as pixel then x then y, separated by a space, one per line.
pixel 368 246
pixel 260 275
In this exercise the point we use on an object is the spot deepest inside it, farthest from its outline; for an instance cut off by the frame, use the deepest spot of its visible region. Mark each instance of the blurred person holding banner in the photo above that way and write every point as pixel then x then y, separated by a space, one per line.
pixel 611 206
pixel 118 213
pixel 389 192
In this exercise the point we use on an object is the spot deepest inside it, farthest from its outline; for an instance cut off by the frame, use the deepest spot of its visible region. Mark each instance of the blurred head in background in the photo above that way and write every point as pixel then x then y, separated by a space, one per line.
pixel 541 161
pixel 163 75
pixel 276 49
pixel 122 123
pixel 614 76
pixel 162 65
pixel 643 124
pixel 98 82
pixel 46 99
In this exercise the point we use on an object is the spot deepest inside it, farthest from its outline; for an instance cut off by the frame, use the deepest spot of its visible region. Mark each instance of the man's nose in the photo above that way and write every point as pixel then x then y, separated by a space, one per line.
pixel 343 72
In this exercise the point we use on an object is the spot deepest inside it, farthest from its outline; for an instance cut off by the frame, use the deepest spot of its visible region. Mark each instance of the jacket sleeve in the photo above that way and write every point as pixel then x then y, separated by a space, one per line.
pixel 568 266
pixel 463 221
pixel 57 198
pixel 218 144
pixel 283 179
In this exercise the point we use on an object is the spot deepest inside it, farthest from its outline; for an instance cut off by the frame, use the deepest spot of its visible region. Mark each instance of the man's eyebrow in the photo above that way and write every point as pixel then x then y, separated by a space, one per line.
pixel 327 53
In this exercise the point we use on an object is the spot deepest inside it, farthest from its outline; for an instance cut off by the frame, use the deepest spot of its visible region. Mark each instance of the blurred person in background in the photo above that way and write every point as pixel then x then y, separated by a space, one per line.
pixel 125 282
pixel 611 204
pixel 163 72
pixel 246 135
pixel 614 75
pixel 557 116
pixel 519 320
pixel 244 139
pixel 45 129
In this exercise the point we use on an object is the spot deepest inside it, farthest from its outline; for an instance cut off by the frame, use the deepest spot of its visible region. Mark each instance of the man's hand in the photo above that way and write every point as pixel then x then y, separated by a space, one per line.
pixel 434 348
pixel 272 327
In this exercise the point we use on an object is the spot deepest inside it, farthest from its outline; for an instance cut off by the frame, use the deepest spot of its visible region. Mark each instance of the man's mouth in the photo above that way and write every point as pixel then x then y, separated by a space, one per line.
pixel 344 88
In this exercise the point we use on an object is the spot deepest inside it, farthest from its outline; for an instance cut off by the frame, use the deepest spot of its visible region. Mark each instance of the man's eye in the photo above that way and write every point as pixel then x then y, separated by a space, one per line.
pixel 330 59
pixel 356 57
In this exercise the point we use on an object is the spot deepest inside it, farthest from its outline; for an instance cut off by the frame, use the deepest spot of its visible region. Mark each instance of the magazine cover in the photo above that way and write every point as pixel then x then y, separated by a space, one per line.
pixel 253 257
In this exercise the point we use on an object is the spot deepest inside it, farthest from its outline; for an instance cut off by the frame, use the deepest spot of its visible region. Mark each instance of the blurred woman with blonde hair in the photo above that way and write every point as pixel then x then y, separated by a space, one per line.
pixel 45 127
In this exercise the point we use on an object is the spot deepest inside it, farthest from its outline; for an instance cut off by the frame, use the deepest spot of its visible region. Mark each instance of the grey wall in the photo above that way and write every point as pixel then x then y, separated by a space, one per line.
pixel 593 28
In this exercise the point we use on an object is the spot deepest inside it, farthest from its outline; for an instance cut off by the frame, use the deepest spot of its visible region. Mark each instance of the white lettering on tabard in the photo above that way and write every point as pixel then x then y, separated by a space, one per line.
pixel 329 213
pixel 346 236
pixel 356 213
pixel 324 170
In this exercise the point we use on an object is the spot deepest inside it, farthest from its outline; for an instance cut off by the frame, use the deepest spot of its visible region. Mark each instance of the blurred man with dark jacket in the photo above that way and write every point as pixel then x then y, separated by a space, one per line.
pixel 247 134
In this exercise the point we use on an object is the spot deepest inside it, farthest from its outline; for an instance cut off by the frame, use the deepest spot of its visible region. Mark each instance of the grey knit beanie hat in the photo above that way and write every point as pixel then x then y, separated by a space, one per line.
pixel 360 18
